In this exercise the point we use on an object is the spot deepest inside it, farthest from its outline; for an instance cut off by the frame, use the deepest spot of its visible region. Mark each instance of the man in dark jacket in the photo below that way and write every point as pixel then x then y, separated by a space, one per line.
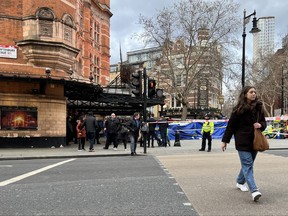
pixel 134 125
pixel 151 134
pixel 90 125
pixel 112 127
pixel 163 126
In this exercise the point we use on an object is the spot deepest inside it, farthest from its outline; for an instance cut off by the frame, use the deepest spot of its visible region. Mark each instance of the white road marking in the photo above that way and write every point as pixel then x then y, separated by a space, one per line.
pixel 187 204
pixel 26 175
pixel 5 165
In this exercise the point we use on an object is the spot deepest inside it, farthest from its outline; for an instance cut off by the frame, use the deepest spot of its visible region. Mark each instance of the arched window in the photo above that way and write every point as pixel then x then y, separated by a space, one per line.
pixel 68 25
pixel 46 18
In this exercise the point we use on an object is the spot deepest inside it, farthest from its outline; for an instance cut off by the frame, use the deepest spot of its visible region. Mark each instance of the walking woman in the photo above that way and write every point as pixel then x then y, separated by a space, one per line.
pixel 246 115
pixel 81 134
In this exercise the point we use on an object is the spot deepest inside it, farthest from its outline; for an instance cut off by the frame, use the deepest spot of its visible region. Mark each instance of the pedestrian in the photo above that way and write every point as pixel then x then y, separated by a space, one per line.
pixel 207 131
pixel 90 125
pixel 69 130
pixel 163 128
pixel 151 133
pixel 112 127
pixel 81 134
pixel 99 129
pixel 143 134
pixel 74 124
pixel 134 125
pixel 241 124
pixel 123 136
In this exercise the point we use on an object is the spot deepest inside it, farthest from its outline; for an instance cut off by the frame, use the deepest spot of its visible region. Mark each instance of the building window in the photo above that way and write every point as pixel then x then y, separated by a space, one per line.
pixel 95 31
pixel 174 102
pixel 46 18
pixel 68 25
pixel 178 80
pixel 97 61
pixel 67 33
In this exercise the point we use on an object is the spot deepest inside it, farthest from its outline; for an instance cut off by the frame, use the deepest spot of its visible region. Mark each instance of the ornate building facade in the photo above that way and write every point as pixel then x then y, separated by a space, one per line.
pixel 48 49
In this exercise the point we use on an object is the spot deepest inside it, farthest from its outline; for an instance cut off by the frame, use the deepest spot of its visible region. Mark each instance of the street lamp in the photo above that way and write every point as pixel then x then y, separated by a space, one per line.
pixel 254 29
pixel 283 104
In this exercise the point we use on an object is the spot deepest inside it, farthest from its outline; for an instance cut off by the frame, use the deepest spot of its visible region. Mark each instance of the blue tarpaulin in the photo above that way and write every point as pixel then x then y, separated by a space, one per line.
pixel 192 130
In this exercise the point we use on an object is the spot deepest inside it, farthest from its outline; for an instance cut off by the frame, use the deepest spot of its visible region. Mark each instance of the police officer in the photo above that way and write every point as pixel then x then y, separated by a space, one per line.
pixel 207 131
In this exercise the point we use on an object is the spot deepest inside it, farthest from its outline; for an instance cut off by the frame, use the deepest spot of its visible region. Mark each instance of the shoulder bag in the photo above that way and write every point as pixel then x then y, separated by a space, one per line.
pixel 260 142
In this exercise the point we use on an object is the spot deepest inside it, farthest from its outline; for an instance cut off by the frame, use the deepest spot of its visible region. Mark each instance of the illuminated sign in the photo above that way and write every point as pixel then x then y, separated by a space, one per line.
pixel 18 118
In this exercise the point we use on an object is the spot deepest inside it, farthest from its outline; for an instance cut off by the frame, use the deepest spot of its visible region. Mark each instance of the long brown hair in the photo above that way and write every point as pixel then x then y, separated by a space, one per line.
pixel 243 104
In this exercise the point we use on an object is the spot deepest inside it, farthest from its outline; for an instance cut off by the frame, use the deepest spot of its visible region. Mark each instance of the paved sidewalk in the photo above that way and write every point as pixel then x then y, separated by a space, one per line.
pixel 187 147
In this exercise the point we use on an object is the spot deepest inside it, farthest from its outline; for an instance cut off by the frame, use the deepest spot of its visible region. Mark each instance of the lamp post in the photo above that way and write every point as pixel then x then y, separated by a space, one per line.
pixel 283 104
pixel 254 29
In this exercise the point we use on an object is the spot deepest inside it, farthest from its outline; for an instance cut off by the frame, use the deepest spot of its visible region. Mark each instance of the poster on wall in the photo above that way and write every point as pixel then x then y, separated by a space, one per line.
pixel 18 118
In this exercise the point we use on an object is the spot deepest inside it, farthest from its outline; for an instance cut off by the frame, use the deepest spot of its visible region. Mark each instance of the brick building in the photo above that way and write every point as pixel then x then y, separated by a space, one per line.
pixel 49 49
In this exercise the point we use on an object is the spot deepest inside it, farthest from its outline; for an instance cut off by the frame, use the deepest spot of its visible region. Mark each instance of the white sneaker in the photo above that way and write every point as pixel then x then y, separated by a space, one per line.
pixel 115 149
pixel 242 187
pixel 256 195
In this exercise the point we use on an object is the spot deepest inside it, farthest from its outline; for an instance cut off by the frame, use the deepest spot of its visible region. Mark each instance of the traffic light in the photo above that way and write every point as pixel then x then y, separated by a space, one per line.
pixel 137 83
pixel 159 93
pixel 151 88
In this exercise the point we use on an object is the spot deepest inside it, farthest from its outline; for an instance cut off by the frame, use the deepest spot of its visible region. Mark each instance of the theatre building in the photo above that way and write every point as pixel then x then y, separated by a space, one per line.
pixel 51 53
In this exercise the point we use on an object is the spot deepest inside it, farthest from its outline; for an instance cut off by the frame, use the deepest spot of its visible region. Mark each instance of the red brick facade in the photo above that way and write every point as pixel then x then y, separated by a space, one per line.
pixel 67 36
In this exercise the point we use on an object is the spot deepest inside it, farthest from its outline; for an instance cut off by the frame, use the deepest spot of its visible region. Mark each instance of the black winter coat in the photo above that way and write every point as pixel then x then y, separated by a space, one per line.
pixel 132 126
pixel 152 124
pixel 90 124
pixel 241 126
pixel 112 125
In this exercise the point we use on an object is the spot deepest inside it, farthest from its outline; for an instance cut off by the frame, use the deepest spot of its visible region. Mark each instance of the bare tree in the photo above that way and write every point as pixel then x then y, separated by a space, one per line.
pixel 266 77
pixel 196 37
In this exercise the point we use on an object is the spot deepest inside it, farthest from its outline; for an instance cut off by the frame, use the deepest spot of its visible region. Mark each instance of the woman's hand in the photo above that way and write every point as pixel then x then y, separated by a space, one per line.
pixel 257 125
pixel 224 146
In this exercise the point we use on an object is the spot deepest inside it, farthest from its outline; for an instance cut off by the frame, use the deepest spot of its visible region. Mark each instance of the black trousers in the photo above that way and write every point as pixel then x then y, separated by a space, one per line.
pixel 111 137
pixel 206 135
pixel 151 136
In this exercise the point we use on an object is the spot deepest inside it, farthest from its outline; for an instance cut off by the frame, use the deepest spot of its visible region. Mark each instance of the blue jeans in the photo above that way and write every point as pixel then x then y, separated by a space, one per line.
pixel 246 172
pixel 133 142
pixel 91 138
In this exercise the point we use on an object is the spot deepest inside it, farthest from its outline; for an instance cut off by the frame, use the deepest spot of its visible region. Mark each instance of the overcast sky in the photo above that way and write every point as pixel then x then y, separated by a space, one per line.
pixel 124 22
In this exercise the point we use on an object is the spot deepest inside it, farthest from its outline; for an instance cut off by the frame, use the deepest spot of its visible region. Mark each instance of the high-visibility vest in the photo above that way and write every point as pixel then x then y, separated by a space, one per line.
pixel 208 127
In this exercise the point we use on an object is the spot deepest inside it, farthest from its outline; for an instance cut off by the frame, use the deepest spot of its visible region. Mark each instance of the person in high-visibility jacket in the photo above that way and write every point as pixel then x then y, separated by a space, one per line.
pixel 207 131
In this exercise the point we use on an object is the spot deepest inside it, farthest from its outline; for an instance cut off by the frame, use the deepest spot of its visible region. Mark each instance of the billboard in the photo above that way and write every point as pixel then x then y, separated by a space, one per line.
pixel 18 118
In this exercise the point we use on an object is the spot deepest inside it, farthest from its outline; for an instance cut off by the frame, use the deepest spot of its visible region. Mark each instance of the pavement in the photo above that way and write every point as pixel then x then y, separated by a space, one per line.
pixel 187 147
pixel 71 150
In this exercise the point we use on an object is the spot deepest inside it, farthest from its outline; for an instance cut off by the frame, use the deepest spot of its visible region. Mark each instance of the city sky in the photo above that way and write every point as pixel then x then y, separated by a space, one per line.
pixel 124 22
